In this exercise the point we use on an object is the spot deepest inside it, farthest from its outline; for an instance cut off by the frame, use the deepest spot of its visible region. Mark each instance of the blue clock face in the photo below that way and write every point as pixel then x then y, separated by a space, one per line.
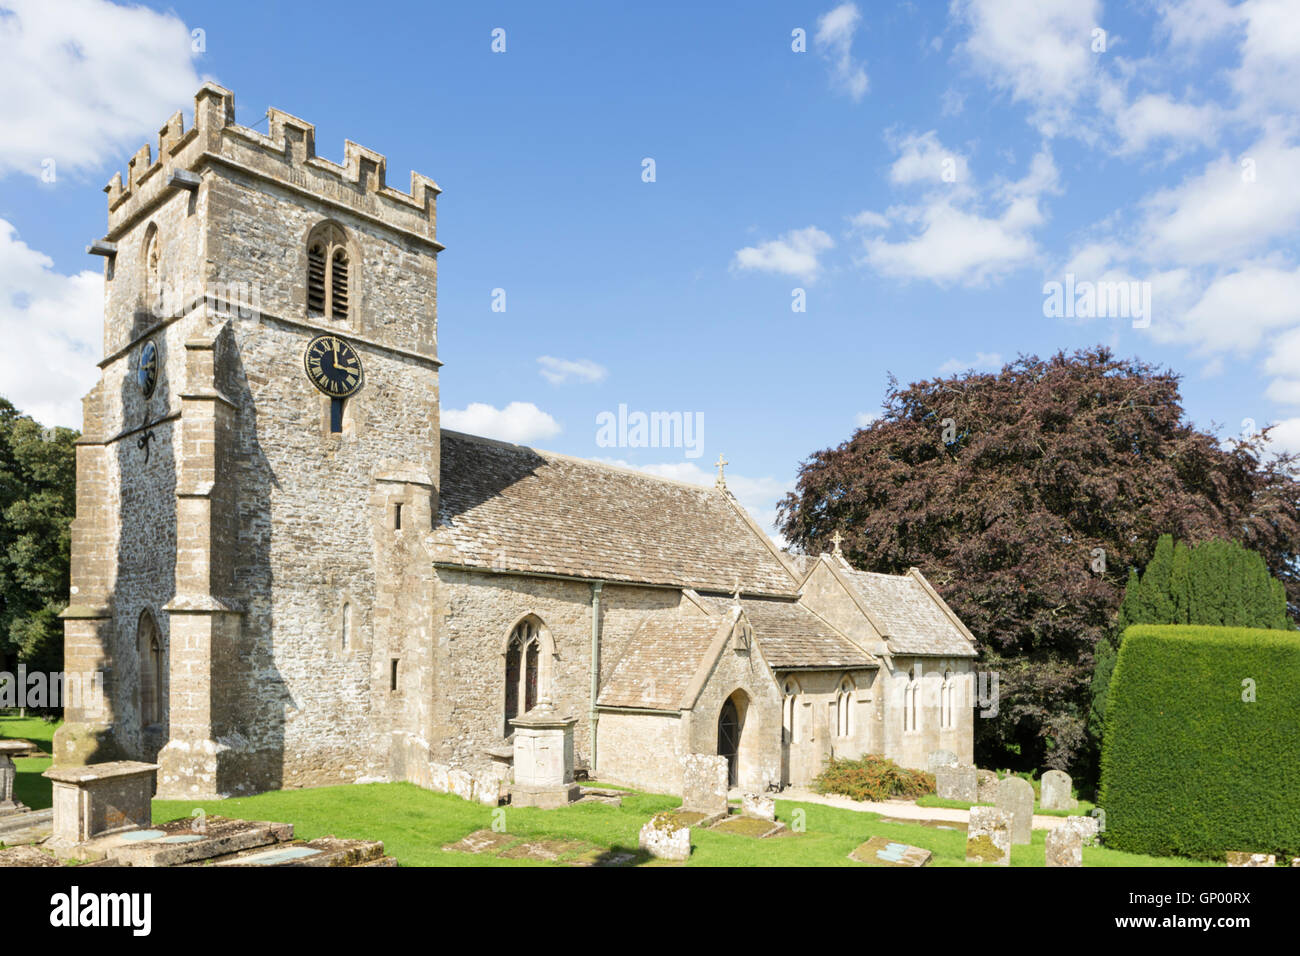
pixel 147 373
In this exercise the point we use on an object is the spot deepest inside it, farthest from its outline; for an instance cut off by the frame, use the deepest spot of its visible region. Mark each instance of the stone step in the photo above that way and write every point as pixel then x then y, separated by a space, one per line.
pixel 176 843
pixel 325 851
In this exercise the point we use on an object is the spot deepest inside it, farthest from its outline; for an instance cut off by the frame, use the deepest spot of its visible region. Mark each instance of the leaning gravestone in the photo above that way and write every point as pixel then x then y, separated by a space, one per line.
pixel 941 758
pixel 664 838
pixel 1064 847
pixel 1056 786
pixel 988 836
pixel 987 786
pixel 704 784
pixel 956 783
pixel 1086 827
pixel 1016 796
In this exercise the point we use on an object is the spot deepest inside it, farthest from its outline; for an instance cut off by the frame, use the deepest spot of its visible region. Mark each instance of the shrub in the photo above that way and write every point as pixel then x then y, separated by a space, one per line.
pixel 1189 765
pixel 872 778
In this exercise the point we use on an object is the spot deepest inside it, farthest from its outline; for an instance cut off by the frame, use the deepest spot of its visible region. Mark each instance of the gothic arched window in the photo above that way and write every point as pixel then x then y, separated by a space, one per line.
pixel 789 702
pixel 528 671
pixel 911 709
pixel 328 288
pixel 844 709
pixel 152 284
pixel 151 670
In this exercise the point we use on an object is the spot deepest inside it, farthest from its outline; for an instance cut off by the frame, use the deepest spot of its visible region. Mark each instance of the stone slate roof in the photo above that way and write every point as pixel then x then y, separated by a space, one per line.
pixel 792 636
pixel 514 508
pixel 662 657
pixel 914 622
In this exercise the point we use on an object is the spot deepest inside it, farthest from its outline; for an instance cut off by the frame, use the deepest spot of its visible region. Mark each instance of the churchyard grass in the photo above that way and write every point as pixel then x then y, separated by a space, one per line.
pixel 930 800
pixel 415 824
pixel 30 788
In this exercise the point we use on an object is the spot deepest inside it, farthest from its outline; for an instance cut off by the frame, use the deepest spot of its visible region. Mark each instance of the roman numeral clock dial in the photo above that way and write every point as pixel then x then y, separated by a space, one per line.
pixel 333 366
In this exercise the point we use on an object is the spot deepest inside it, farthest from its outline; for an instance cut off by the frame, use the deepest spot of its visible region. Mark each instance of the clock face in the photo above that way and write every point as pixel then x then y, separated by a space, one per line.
pixel 147 374
pixel 333 366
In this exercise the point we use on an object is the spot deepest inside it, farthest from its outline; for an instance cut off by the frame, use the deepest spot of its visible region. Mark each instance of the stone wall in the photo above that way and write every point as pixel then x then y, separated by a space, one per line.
pixel 816 738
pixel 642 750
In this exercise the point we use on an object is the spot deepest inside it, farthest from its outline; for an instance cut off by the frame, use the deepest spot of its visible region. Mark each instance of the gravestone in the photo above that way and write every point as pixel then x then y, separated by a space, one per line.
pixel 8 773
pixel 1086 827
pixel 664 838
pixel 100 798
pixel 704 784
pixel 956 783
pixel 879 851
pixel 1016 796
pixel 941 758
pixel 987 786
pixel 543 760
pixel 1238 858
pixel 758 805
pixel 1056 787
pixel 1064 847
pixel 988 836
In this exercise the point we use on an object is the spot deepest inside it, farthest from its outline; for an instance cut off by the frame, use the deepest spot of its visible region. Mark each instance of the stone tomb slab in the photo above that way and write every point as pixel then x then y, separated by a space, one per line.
pixel 743 825
pixel 26 856
pixel 100 799
pixel 178 842
pixel 325 851
pixel 879 851
pixel 481 841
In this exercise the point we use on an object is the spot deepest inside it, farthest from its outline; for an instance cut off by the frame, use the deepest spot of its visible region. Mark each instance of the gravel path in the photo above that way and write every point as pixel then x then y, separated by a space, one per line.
pixel 901 809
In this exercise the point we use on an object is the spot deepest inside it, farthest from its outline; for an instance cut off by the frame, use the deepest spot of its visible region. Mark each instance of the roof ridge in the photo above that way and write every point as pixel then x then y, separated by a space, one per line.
pixel 596 462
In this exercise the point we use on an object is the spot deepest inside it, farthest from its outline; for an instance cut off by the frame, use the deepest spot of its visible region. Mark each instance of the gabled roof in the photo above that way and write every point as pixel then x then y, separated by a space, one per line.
pixel 792 636
pixel 512 508
pixel 662 658
pixel 914 619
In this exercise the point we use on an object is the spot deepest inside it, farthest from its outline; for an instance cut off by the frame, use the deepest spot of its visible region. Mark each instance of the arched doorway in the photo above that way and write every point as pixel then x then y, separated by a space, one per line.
pixel 731 726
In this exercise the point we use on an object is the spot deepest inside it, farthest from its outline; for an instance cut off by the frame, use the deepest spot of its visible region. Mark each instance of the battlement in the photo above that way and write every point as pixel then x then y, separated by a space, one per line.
pixel 287 154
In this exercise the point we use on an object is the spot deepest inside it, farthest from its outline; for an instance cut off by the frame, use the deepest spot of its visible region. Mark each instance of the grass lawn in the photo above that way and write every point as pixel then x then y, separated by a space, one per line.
pixel 415 824
pixel 930 800
pixel 30 787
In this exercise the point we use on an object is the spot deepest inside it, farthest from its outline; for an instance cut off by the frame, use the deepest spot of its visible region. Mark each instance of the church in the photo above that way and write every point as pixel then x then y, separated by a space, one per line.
pixel 288 574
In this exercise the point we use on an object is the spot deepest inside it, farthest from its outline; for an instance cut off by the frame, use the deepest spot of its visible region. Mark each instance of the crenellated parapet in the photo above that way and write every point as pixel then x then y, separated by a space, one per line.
pixel 285 154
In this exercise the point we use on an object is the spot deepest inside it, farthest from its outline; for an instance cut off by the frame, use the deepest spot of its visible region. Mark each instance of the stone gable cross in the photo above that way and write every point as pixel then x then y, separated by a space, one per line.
pixel 722 479
pixel 836 538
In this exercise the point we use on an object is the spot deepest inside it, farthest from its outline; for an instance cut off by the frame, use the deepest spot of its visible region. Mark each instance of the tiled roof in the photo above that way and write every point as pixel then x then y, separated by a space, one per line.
pixel 914 623
pixel 514 508
pixel 662 657
pixel 790 635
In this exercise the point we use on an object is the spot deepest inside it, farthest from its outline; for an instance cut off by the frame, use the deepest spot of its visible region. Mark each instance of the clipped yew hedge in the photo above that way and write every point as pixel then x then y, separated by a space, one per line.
pixel 1190 768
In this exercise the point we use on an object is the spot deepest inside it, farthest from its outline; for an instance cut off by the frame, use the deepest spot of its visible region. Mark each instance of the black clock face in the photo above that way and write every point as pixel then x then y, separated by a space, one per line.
pixel 147 374
pixel 333 366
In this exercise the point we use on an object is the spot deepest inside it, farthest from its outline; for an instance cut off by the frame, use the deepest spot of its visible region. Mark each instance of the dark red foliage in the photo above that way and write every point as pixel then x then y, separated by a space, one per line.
pixel 1048 460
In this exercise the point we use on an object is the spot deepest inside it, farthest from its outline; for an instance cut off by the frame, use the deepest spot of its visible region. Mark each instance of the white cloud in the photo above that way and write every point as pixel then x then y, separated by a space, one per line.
pixel 922 158
pixel 1285 436
pixel 519 422
pixel 955 241
pixel 52 326
pixel 795 254
pixel 559 371
pixel 1269 73
pixel 1037 50
pixel 983 361
pixel 869 220
pixel 85 80
pixel 866 419
pixel 1152 118
pixel 1221 213
pixel 835 30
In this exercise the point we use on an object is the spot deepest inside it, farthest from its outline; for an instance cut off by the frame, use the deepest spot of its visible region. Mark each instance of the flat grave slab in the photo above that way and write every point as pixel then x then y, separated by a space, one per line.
pixel 879 851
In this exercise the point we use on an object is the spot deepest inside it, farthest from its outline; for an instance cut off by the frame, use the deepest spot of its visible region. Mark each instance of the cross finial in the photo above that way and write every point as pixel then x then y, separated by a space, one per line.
pixel 722 479
pixel 736 589
pixel 836 540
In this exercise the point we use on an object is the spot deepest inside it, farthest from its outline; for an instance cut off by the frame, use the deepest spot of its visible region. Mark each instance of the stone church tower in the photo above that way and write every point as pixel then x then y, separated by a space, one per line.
pixel 249 556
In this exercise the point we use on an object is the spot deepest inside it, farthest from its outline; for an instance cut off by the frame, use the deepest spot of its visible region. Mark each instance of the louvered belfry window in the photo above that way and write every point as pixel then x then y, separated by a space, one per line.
pixel 327 272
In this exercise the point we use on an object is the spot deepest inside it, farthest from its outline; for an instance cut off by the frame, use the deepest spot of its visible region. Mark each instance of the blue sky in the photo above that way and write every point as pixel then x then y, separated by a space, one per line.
pixel 920 170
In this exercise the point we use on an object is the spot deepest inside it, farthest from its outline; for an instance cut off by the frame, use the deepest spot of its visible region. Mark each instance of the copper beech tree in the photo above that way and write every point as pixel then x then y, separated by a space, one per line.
pixel 1026 496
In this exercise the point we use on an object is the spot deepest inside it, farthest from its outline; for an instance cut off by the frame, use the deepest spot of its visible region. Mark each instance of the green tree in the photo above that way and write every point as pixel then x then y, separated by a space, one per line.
pixel 38 477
